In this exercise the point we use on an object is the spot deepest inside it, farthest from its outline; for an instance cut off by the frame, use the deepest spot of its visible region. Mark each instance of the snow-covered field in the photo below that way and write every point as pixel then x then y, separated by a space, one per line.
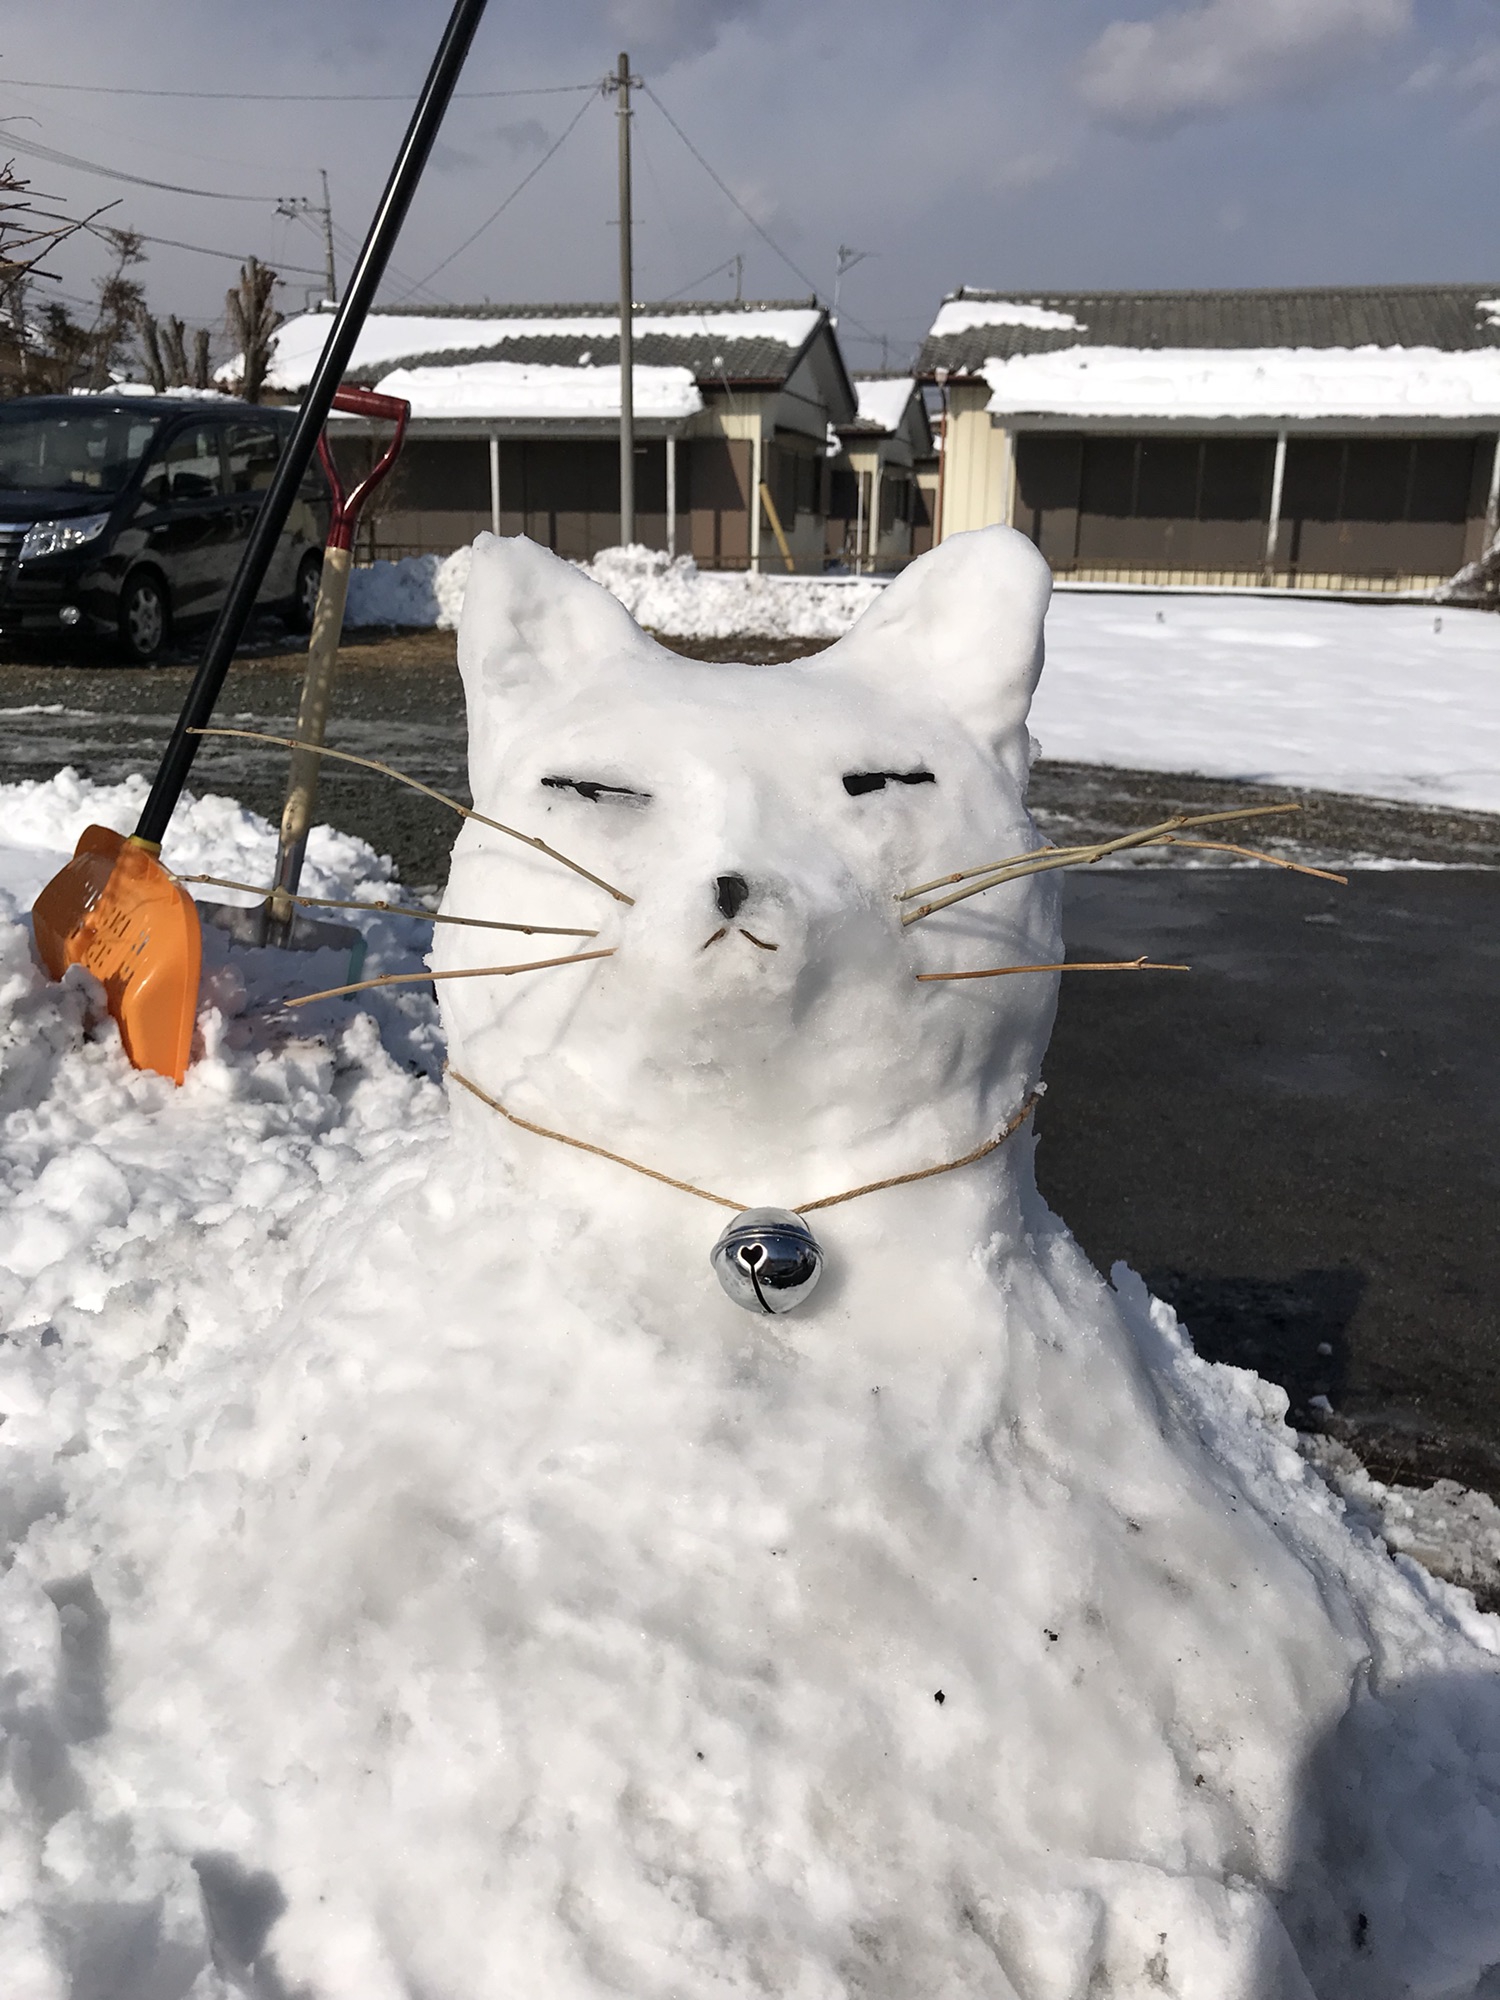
pixel 1396 701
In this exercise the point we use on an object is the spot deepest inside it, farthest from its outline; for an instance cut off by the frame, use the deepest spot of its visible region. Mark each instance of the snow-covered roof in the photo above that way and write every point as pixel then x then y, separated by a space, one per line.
pixel 960 315
pixel 973 328
pixel 735 342
pixel 1247 383
pixel 507 389
pixel 883 401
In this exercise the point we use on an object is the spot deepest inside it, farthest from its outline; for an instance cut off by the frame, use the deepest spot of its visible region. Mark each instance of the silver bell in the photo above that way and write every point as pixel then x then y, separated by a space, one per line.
pixel 768 1260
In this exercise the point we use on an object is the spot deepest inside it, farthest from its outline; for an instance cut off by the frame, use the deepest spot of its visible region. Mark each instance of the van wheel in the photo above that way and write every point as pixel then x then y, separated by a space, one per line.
pixel 305 597
pixel 144 619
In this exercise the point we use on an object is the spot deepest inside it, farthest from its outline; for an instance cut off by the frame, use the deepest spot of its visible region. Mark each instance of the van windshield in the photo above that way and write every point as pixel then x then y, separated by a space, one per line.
pixel 67 451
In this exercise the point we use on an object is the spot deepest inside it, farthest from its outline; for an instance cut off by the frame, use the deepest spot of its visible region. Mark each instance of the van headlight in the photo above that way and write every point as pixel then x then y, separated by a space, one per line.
pixel 53 538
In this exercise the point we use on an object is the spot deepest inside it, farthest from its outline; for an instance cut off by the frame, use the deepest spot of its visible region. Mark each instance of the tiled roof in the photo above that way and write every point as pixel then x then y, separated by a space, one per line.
pixel 710 358
pixel 1446 317
pixel 605 309
pixel 708 353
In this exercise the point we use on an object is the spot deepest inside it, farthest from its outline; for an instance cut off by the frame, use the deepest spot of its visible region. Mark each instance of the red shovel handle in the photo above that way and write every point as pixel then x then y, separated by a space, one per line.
pixel 357 402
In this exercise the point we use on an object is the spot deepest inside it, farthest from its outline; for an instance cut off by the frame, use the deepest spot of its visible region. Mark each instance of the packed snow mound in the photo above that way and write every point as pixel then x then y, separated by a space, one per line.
pixel 418 591
pixel 670 596
pixel 425 1580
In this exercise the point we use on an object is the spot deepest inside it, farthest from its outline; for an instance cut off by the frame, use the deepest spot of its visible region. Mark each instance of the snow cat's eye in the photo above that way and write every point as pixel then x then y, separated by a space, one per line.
pixel 856 782
pixel 594 789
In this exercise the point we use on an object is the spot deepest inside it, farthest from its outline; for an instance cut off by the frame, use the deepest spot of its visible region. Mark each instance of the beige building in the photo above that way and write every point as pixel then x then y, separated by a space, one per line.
pixel 877 506
pixel 515 426
pixel 1331 439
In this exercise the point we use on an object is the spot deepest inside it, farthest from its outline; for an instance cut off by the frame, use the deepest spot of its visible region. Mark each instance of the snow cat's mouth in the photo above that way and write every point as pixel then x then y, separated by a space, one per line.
pixel 723 931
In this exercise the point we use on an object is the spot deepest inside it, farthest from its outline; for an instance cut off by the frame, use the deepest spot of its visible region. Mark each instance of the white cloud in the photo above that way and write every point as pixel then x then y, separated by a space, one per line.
pixel 1156 75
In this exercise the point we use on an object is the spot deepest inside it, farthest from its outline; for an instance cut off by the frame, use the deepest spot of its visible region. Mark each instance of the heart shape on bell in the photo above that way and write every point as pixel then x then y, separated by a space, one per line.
pixel 768 1260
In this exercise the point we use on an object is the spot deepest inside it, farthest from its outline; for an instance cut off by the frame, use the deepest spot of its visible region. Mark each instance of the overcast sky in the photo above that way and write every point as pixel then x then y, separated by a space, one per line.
pixel 1008 143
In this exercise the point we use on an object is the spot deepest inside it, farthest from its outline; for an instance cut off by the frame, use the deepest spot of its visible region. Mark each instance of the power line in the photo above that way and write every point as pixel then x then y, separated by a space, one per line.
pixel 475 235
pixel 351 245
pixel 34 150
pixel 234 256
pixel 729 194
pixel 284 96
pixel 728 264
pixel 732 197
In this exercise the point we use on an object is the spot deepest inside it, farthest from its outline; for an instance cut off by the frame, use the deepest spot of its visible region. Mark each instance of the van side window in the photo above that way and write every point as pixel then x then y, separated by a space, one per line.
pixel 253 452
pixel 187 469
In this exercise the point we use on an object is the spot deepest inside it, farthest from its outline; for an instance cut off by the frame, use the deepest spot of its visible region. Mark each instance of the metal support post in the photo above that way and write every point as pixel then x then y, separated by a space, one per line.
pixel 671 496
pixel 1273 525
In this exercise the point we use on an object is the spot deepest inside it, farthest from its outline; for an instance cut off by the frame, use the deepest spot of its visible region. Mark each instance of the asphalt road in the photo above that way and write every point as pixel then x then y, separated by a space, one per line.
pixel 1297 1144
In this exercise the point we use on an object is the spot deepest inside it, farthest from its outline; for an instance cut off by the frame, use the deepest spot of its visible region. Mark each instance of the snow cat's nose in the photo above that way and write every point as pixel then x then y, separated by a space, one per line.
pixel 730 895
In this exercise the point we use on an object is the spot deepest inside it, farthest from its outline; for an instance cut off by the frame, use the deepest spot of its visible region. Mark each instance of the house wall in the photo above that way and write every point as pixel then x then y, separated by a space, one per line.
pixel 722 443
pixel 924 506
pixel 564 492
pixel 561 492
pixel 1377 512
pixel 977 469
pixel 857 502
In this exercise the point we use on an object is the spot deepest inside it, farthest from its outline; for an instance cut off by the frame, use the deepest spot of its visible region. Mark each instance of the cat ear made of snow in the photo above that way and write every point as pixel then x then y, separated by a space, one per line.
pixel 532 626
pixel 961 625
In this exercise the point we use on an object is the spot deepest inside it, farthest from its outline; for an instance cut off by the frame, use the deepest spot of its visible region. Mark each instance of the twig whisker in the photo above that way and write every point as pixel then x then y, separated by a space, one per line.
pixel 1256 854
pixel 464 972
pixel 1051 857
pixel 429 791
pixel 391 909
pixel 1045 858
pixel 1071 965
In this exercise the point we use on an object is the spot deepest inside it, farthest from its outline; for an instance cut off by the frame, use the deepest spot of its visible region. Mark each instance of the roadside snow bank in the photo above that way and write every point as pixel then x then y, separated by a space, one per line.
pixel 676 599
pixel 417 590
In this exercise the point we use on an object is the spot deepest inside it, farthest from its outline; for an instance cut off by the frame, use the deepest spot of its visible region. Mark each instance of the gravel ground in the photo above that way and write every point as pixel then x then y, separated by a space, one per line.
pixel 1298 1145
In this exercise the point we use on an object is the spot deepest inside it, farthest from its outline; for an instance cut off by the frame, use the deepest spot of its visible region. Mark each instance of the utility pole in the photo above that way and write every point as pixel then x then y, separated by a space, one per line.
pixel 620 83
pixel 848 257
pixel 297 208
pixel 739 276
pixel 331 275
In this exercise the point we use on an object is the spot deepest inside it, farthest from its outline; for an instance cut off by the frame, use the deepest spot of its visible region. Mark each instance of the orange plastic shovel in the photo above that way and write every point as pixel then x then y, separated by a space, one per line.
pixel 114 909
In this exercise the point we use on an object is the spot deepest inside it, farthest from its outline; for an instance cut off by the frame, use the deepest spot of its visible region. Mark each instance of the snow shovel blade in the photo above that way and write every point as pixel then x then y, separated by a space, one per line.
pixel 117 912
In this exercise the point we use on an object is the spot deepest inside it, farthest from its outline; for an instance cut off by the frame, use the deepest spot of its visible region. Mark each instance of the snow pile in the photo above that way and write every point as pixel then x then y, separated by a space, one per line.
pixel 681 601
pixel 521 389
pixel 1446 1528
pixel 1269 382
pixel 674 598
pixel 424 1580
pixel 417 590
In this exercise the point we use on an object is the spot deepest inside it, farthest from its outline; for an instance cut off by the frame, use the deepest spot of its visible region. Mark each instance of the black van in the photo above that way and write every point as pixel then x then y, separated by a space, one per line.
pixel 123 517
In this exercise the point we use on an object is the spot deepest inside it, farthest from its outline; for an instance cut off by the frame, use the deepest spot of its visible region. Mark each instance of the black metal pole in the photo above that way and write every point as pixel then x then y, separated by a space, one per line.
pixel 177 760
